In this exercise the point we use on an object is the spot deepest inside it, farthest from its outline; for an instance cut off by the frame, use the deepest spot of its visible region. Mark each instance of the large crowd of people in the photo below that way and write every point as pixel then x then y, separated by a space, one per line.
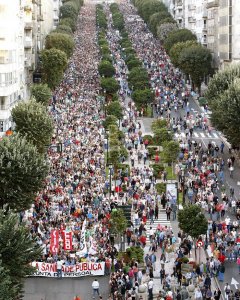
pixel 75 195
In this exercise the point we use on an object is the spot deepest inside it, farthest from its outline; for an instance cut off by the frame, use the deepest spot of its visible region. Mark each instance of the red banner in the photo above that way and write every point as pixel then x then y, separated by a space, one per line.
pixel 67 240
pixel 54 244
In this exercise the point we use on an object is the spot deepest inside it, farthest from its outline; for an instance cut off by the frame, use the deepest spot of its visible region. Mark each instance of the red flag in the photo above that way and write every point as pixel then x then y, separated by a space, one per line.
pixel 54 241
pixel 67 241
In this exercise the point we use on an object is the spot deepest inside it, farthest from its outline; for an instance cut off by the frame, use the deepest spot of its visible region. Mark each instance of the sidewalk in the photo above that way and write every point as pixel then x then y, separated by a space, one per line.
pixel 162 219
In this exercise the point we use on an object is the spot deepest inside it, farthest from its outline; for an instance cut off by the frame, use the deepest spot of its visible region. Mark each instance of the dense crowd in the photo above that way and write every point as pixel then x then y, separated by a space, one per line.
pixel 75 194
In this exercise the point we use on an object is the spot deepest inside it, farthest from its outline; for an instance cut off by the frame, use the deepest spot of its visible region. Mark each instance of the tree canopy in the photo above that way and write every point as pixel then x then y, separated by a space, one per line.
pixel 33 122
pixel 165 29
pixel 106 69
pixel 41 93
pixel 115 109
pixel 192 221
pixel 177 49
pixel 54 62
pixel 110 85
pixel 226 112
pixel 118 221
pixel 17 250
pixel 171 151
pixel 156 19
pixel 22 172
pixel 143 97
pixel 60 41
pixel 196 61
pixel 221 82
pixel 138 79
pixel 176 36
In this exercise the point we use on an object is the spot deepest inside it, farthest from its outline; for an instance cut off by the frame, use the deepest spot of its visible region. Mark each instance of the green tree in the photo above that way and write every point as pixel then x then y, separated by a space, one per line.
pixel 33 122
pixel 170 152
pixel 68 10
pixel 110 120
pixel 63 29
pixel 118 222
pixel 196 61
pixel 134 63
pixel 115 109
pixel 54 62
pixel 148 8
pixel 22 172
pixel 177 49
pixel 143 97
pixel 138 79
pixel 226 112
pixel 156 18
pixel 192 221
pixel 41 93
pixel 165 29
pixel 158 123
pixel 105 50
pixel 176 36
pixel 221 82
pixel 106 69
pixel 60 41
pixel 118 21
pixel 17 251
pixel 8 290
pixel 68 22
pixel 162 135
pixel 110 85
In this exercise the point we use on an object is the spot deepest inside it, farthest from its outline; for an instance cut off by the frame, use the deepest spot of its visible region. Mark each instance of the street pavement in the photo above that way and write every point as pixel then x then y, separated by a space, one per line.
pixel 215 137
pixel 63 289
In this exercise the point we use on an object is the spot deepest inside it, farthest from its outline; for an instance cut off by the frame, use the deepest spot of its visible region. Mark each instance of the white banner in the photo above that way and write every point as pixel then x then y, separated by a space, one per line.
pixel 81 269
pixel 171 192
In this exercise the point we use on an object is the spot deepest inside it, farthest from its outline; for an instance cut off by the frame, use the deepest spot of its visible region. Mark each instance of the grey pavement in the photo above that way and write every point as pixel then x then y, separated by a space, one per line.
pixel 39 288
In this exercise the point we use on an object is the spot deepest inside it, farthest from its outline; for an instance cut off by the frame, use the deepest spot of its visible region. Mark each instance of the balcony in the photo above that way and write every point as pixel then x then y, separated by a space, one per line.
pixel 191 20
pixel 28 43
pixel 191 7
pixel 27 62
pixel 40 18
pixel 4 60
pixel 28 25
pixel 212 4
pixel 205 14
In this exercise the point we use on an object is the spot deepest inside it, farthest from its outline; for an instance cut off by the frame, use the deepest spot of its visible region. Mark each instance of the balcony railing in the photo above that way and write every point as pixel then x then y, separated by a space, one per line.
pixel 214 3
pixel 28 43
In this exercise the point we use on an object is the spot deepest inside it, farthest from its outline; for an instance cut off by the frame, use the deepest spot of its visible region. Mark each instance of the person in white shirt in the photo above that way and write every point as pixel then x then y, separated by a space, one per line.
pixel 95 287
pixel 59 268
pixel 150 289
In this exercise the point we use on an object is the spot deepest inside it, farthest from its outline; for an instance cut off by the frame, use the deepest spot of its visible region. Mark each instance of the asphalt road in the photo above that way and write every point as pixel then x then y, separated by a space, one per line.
pixel 39 288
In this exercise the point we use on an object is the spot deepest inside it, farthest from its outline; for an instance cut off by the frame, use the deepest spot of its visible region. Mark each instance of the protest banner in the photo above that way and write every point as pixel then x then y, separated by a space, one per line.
pixel 78 270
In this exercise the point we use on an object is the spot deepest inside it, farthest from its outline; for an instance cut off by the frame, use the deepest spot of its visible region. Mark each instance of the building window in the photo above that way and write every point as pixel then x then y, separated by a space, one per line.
pixel 1 126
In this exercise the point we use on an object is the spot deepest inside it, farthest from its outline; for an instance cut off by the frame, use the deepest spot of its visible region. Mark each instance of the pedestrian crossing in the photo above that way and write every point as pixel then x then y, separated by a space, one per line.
pixel 161 221
pixel 198 135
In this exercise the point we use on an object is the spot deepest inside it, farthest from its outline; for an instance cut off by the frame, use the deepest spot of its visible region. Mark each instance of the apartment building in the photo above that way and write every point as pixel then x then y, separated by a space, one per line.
pixel 228 32
pixel 24 25
pixel 216 24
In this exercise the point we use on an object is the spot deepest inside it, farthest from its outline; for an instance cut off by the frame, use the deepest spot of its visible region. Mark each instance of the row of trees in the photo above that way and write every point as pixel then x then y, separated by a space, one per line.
pixel 223 95
pixel 110 87
pixel 138 79
pixel 163 136
pixel 59 44
pixel 181 44
pixel 23 164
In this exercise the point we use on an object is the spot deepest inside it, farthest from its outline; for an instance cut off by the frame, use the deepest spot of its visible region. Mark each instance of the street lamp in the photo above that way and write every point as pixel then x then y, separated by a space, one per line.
pixel 110 167
pixel 107 135
pixel 105 110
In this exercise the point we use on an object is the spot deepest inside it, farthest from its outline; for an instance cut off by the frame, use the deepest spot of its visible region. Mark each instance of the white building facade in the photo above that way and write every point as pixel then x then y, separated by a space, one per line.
pixel 24 25
pixel 216 24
